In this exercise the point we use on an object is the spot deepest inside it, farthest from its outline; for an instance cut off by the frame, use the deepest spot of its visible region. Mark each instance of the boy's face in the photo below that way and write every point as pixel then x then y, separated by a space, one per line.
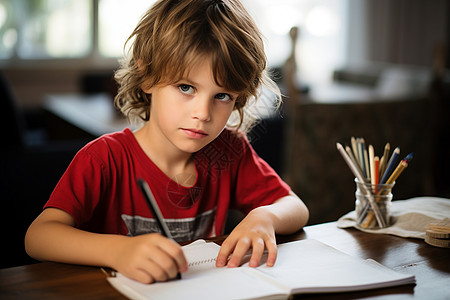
pixel 190 113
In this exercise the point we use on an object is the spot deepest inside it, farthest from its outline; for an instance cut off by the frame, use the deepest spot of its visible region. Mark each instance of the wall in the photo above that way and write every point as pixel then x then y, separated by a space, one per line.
pixel 399 32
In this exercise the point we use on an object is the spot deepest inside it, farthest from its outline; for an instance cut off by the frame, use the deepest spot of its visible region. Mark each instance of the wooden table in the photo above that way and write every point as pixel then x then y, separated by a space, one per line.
pixel 430 265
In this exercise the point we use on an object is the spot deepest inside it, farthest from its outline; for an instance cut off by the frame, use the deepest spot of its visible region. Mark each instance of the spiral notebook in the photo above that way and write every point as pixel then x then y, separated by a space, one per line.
pixel 306 266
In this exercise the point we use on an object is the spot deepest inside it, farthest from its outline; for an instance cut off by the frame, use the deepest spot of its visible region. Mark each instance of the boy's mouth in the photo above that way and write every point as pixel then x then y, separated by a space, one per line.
pixel 194 133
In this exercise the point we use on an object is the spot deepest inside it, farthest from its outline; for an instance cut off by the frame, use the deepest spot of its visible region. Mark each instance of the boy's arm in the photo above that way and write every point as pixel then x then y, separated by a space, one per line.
pixel 257 231
pixel 146 258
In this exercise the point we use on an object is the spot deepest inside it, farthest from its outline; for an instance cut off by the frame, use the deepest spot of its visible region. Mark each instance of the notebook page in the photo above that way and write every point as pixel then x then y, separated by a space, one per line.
pixel 203 280
pixel 218 284
pixel 200 255
pixel 305 266
pixel 311 266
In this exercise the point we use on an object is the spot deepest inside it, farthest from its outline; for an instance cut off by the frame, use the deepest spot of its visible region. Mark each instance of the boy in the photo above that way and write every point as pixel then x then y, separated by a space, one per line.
pixel 191 65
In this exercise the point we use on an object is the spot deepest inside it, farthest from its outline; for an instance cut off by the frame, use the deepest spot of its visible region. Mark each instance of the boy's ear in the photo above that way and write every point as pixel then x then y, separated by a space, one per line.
pixel 140 64
pixel 146 88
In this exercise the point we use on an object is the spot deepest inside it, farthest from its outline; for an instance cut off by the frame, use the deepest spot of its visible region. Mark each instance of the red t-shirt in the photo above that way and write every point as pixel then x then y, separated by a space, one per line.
pixel 99 188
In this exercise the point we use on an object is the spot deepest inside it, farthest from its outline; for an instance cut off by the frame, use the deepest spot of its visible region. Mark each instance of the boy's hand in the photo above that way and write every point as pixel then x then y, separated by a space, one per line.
pixel 149 258
pixel 256 232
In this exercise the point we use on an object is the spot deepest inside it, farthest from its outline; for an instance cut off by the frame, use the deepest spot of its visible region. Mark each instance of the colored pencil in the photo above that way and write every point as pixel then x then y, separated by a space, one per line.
pixel 372 164
pixel 366 163
pixel 376 163
pixel 367 194
pixel 383 160
pixel 390 165
pixel 371 169
pixel 354 148
pixel 350 154
pixel 361 155
pixel 400 168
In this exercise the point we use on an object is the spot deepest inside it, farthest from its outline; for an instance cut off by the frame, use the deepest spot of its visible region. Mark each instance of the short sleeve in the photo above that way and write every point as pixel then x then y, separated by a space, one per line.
pixel 79 189
pixel 256 183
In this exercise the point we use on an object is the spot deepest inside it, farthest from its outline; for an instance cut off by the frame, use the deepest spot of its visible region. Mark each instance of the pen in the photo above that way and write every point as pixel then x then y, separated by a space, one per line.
pixel 151 202
pixel 361 179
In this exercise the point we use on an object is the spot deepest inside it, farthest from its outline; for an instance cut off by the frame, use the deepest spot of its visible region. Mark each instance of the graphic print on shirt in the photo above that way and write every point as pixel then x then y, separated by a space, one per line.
pixel 182 230
pixel 218 156
pixel 180 196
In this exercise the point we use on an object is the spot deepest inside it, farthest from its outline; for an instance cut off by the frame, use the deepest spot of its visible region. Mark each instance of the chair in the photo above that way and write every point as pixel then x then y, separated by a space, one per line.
pixel 28 174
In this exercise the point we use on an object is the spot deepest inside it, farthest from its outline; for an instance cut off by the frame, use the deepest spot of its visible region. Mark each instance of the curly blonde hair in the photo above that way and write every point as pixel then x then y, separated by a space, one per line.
pixel 173 34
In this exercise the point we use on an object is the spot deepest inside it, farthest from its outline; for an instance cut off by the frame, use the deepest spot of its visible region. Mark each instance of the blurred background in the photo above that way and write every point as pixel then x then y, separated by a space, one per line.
pixel 376 69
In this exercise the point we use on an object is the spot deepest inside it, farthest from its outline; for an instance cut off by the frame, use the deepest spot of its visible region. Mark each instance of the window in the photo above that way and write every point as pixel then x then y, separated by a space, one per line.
pixel 116 22
pixel 39 29
pixel 8 29
pixel 321 40
pixel 93 32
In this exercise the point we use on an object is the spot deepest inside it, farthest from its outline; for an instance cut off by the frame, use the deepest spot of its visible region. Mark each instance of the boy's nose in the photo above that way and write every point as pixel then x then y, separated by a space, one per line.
pixel 202 108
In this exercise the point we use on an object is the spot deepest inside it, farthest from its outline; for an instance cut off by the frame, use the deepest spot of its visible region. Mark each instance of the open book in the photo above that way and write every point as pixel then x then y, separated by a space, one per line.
pixel 306 266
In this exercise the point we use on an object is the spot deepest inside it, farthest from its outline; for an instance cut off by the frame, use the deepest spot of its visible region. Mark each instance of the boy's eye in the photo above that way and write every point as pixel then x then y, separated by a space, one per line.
pixel 186 89
pixel 223 97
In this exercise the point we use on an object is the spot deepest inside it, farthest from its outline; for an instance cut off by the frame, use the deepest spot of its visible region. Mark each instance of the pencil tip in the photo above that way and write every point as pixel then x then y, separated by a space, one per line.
pixel 409 157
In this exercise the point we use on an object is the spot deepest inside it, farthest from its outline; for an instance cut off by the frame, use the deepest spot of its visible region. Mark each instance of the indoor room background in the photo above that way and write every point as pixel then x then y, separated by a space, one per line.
pixel 376 69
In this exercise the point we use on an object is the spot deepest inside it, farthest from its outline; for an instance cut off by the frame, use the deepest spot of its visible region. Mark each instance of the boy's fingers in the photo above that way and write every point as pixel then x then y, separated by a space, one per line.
pixel 166 265
pixel 143 277
pixel 257 253
pixel 272 253
pixel 159 264
pixel 144 273
pixel 171 249
pixel 158 272
pixel 177 254
pixel 224 252
pixel 241 249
